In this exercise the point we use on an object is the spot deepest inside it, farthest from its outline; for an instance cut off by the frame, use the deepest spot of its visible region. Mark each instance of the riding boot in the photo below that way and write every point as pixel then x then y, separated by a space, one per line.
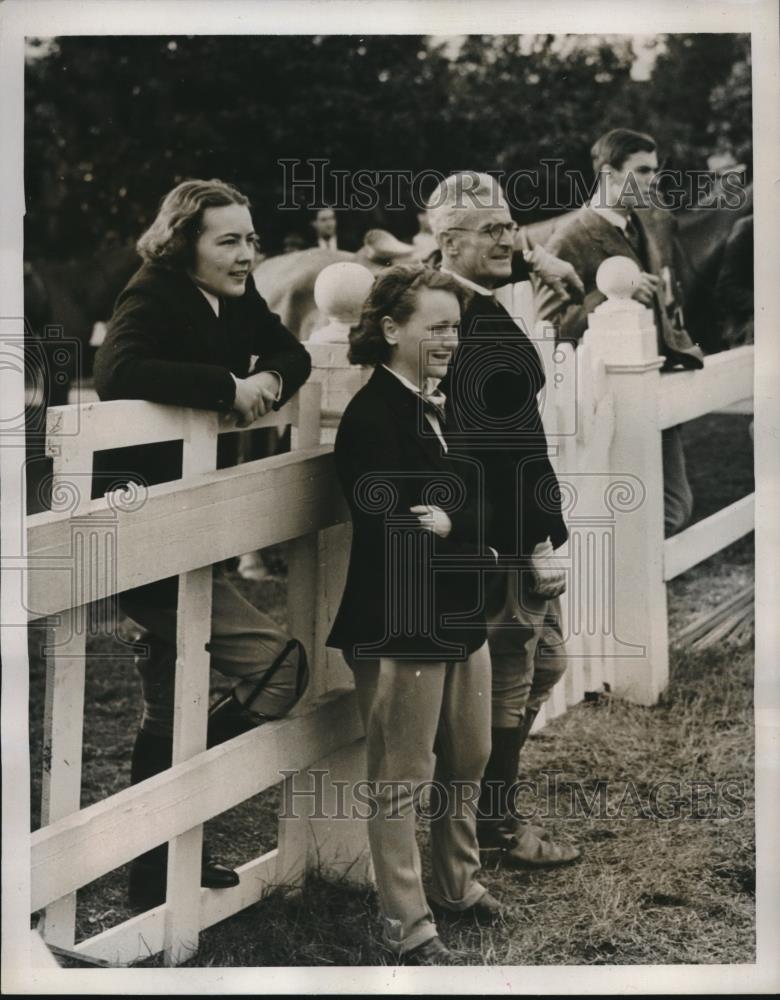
pixel 499 777
pixel 525 845
pixel 148 872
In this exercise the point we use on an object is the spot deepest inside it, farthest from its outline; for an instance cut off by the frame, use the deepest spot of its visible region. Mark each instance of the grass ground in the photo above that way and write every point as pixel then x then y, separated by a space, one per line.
pixel 648 889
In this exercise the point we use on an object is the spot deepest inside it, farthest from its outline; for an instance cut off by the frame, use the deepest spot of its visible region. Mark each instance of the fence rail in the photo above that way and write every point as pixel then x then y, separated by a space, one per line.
pixel 604 409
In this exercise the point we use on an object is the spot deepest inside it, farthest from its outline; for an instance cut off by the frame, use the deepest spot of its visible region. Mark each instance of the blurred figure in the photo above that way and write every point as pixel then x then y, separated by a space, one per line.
pixel 324 225
pixel 734 287
pixel 423 240
pixel 723 161
pixel 293 242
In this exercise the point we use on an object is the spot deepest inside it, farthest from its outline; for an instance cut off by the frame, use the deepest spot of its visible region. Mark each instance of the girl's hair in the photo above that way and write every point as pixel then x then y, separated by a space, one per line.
pixel 170 240
pixel 394 294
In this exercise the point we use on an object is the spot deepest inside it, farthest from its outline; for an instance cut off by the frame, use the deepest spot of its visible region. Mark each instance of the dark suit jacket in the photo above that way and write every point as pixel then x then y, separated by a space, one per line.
pixel 397 596
pixel 586 239
pixel 166 345
pixel 494 417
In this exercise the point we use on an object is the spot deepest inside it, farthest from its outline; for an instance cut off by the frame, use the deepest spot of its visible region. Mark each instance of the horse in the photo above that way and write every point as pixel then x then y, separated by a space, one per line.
pixel 287 282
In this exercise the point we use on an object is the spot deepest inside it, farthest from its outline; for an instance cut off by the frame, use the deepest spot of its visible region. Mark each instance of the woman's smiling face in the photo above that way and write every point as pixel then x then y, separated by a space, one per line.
pixel 424 344
pixel 224 251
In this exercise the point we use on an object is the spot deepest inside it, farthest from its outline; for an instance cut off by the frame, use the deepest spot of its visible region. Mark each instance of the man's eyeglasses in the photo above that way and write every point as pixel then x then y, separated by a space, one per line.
pixel 495 232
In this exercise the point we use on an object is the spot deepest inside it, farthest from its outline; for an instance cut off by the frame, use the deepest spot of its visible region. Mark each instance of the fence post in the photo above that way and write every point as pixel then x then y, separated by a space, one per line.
pixel 621 334
pixel 191 700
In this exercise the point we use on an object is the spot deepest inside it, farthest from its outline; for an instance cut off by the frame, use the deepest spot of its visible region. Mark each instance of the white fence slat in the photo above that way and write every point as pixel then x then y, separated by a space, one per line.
pixel 143 935
pixel 185 526
pixel 63 730
pixel 134 940
pixel 78 849
pixel 121 423
pixel 40 956
pixel 705 538
pixel 63 722
pixel 191 701
pixel 727 377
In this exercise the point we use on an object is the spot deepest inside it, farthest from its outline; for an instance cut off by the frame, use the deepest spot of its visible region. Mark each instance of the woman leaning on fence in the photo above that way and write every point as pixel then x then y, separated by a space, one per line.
pixel 408 623
pixel 183 332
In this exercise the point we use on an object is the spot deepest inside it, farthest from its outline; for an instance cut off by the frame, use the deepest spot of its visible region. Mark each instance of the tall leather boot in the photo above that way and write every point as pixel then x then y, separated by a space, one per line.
pixel 526 725
pixel 148 872
pixel 499 777
pixel 526 845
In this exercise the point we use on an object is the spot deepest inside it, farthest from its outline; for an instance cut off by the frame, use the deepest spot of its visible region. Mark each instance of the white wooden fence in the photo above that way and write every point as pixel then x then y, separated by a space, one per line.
pixel 85 550
pixel 604 408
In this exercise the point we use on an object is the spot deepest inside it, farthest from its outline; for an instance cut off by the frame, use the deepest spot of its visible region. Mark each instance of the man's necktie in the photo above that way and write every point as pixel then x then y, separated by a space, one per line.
pixel 634 238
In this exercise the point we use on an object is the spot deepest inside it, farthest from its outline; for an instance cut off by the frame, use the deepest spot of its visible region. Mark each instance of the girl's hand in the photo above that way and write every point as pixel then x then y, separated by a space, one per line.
pixel 433 519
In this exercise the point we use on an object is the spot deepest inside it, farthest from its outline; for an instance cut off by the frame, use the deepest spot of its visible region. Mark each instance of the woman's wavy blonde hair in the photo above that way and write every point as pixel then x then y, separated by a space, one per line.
pixel 170 240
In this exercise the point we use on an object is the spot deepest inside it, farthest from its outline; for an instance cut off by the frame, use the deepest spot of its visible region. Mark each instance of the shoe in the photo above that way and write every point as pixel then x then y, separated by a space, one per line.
pixel 527 850
pixel 147 879
pixel 215 875
pixel 430 952
pixel 500 836
pixel 486 911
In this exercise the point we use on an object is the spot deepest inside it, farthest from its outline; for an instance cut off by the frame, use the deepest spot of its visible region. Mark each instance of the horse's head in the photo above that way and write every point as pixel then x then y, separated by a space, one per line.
pixel 286 282
pixel 381 249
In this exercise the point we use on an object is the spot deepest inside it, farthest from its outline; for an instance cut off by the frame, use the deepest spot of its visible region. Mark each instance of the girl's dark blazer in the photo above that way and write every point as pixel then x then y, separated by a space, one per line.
pixel 405 587
pixel 165 344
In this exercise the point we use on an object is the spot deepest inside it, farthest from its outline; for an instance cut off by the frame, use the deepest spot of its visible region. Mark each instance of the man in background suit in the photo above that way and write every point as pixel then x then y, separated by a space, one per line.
pixel 325 229
pixel 620 221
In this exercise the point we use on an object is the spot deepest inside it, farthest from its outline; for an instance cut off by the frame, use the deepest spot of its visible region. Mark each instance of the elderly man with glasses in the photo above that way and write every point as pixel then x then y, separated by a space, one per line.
pixel 493 416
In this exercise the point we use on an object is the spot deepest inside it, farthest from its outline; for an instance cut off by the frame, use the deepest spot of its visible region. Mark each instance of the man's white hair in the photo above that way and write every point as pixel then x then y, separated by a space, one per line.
pixel 461 193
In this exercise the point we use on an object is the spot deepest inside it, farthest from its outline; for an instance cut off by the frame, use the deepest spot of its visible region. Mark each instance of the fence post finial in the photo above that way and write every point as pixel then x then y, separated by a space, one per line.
pixel 621 330
pixel 340 291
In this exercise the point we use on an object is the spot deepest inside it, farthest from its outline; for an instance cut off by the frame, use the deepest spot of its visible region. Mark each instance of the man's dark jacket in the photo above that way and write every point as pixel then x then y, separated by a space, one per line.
pixel 586 239
pixel 493 415
pixel 166 345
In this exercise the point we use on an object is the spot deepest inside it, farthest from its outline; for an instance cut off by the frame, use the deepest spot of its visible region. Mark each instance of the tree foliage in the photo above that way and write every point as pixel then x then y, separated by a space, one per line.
pixel 114 122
